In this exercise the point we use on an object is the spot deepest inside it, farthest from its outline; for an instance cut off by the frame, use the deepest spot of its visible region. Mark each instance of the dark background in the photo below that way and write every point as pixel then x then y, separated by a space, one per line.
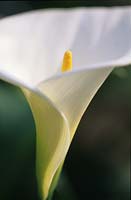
pixel 97 165
pixel 13 7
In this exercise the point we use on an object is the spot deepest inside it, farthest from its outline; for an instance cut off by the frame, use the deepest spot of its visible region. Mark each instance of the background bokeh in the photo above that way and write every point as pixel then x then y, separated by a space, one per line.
pixel 97 165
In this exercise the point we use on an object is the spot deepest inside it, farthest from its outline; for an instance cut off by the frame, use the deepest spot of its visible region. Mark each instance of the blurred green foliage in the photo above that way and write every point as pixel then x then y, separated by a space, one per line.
pixel 17 145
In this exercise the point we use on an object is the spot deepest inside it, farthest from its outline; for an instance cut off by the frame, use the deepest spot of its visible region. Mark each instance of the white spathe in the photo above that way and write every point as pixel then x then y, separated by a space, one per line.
pixel 31 50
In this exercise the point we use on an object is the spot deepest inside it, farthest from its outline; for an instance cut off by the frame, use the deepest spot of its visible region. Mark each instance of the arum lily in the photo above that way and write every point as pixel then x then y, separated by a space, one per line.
pixel 31 49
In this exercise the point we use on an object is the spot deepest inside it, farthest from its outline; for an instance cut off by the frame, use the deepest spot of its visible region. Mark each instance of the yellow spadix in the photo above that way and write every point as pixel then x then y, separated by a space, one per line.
pixel 67 62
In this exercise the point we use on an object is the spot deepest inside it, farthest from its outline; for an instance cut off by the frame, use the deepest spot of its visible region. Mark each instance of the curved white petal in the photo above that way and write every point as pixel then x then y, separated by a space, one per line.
pixel 31 47
pixel 107 35
pixel 72 94
pixel 52 139
pixel 32 44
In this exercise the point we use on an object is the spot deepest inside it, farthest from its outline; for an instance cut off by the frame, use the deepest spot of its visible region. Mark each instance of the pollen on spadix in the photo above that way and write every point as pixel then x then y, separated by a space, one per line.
pixel 67 62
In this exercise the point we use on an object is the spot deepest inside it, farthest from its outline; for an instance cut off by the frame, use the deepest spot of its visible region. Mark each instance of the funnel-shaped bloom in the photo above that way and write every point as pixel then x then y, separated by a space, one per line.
pixel 31 50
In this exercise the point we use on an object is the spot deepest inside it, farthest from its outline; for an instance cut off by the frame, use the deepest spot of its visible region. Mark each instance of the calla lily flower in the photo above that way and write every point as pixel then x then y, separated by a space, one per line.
pixel 32 46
